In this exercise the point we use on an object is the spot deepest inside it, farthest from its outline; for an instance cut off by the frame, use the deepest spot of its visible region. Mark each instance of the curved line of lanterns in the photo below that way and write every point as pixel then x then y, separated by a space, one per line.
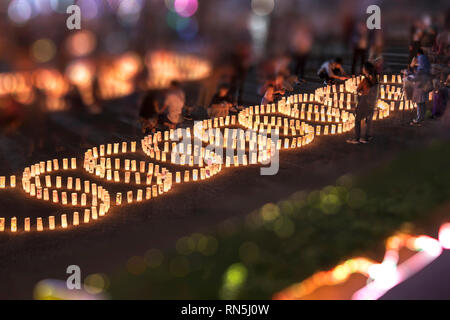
pixel 291 123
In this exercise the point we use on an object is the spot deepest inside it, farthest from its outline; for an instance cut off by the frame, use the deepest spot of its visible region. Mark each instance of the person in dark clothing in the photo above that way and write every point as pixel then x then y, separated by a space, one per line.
pixel 360 43
pixel 221 102
pixel 332 70
pixel 368 95
pixel 149 112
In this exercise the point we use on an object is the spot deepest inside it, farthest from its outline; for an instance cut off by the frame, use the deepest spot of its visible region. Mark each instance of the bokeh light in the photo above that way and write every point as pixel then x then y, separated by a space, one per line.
pixel 19 11
pixel 61 5
pixel 136 265
pixel 444 235
pixel 89 9
pixel 263 7
pixel 95 283
pixel 81 43
pixel 43 50
pixel 129 11
pixel 186 8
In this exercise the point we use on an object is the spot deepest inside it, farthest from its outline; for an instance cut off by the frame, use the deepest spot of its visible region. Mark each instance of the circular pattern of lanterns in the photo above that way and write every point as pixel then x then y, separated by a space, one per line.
pixel 189 155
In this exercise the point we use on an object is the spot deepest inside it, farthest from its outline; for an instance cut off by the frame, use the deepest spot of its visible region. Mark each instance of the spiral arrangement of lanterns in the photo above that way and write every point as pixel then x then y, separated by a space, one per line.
pixel 190 155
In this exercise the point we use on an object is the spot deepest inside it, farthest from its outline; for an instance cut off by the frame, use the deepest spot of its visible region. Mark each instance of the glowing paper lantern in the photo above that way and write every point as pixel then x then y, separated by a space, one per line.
pixel 27 225
pixel 87 215
pixel 64 221
pixel 76 219
pixel 12 181
pixel 51 222
pixel 13 224
pixel 39 225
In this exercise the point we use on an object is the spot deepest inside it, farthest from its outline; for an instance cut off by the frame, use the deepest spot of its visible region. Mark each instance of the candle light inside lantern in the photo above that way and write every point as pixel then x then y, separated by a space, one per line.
pixel 2 182
pixel 102 210
pixel 74 163
pixel 64 198
pixel 74 199
pixel 65 163
pixel 51 222
pixel 12 181
pixel 39 225
pixel 2 224
pixel 87 215
pixel 46 194
pixel 27 225
pixel 55 196
pixel 118 198
pixel 94 213
pixel 78 184
pixel 48 181
pixel 137 177
pixel 64 221
pixel 13 224
pixel 76 219
pixel 130 196
pixel 83 199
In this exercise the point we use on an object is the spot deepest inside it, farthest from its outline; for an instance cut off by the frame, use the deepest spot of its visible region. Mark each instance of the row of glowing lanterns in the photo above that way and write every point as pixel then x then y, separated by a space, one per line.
pixel 116 78
pixel 254 134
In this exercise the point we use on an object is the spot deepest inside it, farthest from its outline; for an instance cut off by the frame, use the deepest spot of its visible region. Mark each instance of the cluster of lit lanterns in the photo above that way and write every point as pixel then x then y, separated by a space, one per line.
pixel 190 155
pixel 116 78
pixel 381 276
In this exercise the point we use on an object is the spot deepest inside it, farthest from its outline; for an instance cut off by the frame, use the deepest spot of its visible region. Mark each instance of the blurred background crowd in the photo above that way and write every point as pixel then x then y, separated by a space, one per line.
pixel 178 60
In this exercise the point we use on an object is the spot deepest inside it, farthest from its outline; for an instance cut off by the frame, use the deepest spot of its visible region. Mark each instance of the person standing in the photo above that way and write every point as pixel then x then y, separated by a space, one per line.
pixel 368 94
pixel 419 97
pixel 149 112
pixel 173 104
pixel 360 42
pixel 301 44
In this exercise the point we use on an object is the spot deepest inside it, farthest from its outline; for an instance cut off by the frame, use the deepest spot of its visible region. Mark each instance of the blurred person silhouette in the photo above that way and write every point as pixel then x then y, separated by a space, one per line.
pixel 429 34
pixel 332 70
pixel 221 103
pixel 301 43
pixel 376 52
pixel 415 38
pixel 240 61
pixel 419 97
pixel 421 64
pixel 440 98
pixel 149 112
pixel 268 97
pixel 173 105
pixel 367 98
pixel 360 45
pixel 11 115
